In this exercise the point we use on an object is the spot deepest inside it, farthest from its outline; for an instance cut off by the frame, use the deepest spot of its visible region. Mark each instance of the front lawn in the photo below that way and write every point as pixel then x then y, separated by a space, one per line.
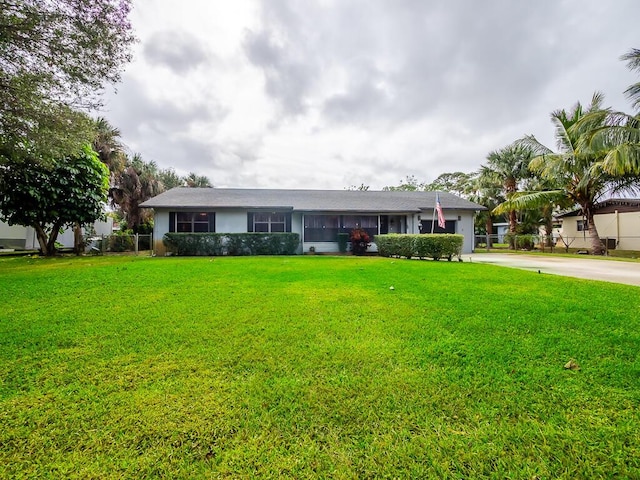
pixel 305 367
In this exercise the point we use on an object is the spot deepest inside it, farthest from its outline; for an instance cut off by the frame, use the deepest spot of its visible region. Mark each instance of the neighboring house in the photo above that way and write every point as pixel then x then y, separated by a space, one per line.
pixel 617 221
pixel 317 215
pixel 501 229
pixel 24 238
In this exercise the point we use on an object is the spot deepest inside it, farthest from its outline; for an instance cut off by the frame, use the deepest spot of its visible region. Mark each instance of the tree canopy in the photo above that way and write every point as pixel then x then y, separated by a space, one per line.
pixel 55 57
pixel 574 171
pixel 51 197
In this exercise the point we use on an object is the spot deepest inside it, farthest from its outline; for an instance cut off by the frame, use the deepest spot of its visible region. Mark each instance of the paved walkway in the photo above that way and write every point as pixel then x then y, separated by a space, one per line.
pixel 589 268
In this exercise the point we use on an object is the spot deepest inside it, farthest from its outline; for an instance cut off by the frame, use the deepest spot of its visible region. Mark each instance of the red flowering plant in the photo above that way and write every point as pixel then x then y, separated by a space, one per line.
pixel 360 241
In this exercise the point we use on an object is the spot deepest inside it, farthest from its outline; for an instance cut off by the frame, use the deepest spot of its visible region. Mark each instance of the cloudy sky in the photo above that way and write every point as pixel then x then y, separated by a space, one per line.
pixel 332 93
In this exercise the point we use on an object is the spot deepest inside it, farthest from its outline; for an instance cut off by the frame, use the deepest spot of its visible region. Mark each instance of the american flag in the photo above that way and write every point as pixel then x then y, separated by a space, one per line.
pixel 441 222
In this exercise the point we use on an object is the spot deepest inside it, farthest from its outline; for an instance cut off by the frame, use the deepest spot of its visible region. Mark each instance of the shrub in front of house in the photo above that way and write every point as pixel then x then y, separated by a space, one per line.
pixel 394 245
pixel 434 246
pixel 219 244
pixel 343 242
pixel 360 241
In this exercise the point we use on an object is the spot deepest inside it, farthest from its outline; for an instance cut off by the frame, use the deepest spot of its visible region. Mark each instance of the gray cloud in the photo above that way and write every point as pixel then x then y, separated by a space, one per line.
pixel 159 129
pixel 181 52
pixel 287 78
pixel 378 90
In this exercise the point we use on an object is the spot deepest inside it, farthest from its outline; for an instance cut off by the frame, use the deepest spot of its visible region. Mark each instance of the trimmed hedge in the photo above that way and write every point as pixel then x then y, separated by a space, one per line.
pixel 434 246
pixel 218 244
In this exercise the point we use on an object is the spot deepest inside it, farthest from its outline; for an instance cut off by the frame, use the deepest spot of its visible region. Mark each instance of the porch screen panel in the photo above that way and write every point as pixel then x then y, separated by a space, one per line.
pixel 321 228
pixel 369 223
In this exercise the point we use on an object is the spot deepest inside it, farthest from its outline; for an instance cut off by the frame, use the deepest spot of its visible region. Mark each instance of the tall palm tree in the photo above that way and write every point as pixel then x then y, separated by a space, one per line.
pixel 107 143
pixel 507 167
pixel 137 183
pixel 632 58
pixel 485 191
pixel 575 169
pixel 170 179
pixel 617 133
pixel 194 180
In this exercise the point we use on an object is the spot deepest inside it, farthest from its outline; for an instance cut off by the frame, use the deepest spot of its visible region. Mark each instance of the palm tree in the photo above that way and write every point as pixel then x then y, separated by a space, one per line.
pixel 194 180
pixel 617 133
pixel 170 179
pixel 633 63
pixel 485 191
pixel 107 143
pixel 110 151
pixel 507 167
pixel 575 169
pixel 137 183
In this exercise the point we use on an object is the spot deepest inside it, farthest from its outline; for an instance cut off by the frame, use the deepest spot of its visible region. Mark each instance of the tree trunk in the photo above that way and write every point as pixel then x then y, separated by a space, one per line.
pixel 548 225
pixel 510 188
pixel 78 245
pixel 597 248
pixel 489 227
pixel 47 242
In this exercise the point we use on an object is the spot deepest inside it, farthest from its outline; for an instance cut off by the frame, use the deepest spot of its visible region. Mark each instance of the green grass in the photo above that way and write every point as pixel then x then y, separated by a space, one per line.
pixel 306 367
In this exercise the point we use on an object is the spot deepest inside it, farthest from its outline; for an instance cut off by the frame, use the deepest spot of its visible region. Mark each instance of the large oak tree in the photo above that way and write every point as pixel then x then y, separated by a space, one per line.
pixel 56 56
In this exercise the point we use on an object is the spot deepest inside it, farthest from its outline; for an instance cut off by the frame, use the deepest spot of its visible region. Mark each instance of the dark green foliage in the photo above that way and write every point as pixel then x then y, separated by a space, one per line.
pixel 218 244
pixel 343 242
pixel 71 191
pixel 394 245
pixel 121 242
pixel 422 246
pixel 55 56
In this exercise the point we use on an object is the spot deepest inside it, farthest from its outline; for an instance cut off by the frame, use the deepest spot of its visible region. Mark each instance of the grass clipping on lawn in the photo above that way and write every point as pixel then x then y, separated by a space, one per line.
pixel 306 367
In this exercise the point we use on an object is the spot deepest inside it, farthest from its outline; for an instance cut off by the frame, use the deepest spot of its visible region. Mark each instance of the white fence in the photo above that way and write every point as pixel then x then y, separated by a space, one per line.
pixel 554 243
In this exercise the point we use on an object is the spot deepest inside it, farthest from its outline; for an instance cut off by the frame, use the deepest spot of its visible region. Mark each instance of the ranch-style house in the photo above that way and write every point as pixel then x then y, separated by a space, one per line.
pixel 316 215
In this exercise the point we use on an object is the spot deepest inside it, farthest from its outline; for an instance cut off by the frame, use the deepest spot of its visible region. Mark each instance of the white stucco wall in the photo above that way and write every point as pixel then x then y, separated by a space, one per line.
pixel 12 236
pixel 624 227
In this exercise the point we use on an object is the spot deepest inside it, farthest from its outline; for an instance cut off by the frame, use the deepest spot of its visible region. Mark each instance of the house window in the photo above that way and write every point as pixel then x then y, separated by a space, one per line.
pixel 449 227
pixel 321 228
pixel 268 222
pixel 582 226
pixel 192 222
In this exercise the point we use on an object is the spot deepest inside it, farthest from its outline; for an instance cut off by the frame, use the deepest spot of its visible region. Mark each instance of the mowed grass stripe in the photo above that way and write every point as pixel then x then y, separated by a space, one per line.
pixel 310 367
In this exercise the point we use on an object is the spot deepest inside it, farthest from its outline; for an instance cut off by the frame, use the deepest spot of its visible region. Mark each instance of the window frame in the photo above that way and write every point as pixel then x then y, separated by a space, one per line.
pixel 197 222
pixel 582 225
pixel 262 221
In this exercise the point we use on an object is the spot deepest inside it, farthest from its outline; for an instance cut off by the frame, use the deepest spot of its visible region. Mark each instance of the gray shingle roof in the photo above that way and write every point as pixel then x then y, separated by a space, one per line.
pixel 307 200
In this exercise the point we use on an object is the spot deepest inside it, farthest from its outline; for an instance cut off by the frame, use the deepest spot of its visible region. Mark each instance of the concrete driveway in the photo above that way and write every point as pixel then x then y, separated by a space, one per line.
pixel 589 268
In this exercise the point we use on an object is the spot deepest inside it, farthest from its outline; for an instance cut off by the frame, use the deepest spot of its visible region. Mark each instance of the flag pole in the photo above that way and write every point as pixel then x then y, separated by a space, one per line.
pixel 433 217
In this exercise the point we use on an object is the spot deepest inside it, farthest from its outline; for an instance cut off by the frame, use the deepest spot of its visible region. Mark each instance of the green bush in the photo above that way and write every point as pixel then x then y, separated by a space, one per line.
pixel 520 241
pixel 121 242
pixel 394 245
pixel 343 242
pixel 218 244
pixel 435 246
